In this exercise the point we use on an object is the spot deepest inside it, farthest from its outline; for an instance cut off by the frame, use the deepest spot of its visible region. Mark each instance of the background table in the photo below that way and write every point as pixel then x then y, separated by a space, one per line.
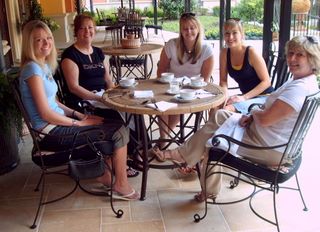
pixel 122 99
pixel 139 54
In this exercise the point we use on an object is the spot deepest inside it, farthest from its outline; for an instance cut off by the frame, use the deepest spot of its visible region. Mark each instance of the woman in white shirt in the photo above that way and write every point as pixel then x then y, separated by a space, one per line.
pixel 274 122
pixel 188 55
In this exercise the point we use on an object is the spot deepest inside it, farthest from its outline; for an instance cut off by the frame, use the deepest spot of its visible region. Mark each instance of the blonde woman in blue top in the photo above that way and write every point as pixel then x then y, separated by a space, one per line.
pixel 38 90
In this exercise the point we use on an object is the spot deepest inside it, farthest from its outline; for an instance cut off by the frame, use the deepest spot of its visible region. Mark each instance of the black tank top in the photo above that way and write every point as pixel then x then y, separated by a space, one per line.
pixel 246 77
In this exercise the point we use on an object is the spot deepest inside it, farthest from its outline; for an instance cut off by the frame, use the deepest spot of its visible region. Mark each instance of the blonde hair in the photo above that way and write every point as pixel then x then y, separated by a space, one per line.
pixel 181 48
pixel 234 23
pixel 310 44
pixel 28 52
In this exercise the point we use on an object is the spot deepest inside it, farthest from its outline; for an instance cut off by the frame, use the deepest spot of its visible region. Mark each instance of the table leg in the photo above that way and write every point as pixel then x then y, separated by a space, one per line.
pixel 144 142
pixel 145 164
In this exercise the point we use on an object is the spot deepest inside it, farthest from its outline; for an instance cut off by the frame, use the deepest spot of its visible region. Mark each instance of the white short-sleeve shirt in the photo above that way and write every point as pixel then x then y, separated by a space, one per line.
pixel 293 92
pixel 186 69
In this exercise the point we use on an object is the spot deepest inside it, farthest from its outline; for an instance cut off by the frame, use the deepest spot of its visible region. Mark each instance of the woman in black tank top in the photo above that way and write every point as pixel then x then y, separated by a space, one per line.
pixel 245 66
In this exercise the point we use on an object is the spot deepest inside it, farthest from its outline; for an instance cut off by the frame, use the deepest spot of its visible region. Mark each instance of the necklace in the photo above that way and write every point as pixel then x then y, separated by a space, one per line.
pixel 189 51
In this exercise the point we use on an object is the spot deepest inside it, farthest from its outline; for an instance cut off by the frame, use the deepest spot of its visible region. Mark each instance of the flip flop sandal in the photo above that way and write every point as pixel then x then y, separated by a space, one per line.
pixel 128 197
pixel 131 172
pixel 187 170
pixel 101 189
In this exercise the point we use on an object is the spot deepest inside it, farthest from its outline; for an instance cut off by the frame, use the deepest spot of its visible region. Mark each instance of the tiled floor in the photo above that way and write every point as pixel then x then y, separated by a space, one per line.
pixel 168 207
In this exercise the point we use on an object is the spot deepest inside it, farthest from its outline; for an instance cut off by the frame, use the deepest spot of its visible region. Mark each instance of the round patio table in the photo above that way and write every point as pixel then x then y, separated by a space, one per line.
pixel 122 99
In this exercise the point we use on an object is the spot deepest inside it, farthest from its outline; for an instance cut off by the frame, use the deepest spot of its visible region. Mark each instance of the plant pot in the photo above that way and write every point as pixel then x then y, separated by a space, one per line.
pixel 9 157
pixel 301 6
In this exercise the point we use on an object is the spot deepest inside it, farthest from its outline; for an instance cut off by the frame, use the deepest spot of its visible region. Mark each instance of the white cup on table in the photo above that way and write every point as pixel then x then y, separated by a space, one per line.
pixel 187 94
pixel 126 81
pixel 167 76
pixel 197 81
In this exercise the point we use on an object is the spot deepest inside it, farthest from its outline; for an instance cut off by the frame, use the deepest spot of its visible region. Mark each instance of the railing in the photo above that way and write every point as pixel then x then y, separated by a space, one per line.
pixel 308 23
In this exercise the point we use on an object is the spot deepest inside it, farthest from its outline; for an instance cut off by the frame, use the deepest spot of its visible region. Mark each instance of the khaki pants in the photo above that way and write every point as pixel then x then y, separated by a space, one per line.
pixel 194 149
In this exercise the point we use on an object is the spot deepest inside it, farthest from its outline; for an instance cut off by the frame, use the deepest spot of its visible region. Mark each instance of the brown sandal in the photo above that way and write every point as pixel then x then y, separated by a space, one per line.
pixel 187 170
pixel 200 197
pixel 161 157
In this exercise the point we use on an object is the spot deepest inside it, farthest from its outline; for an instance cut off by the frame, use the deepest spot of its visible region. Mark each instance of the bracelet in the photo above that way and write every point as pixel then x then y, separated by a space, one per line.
pixel 73 114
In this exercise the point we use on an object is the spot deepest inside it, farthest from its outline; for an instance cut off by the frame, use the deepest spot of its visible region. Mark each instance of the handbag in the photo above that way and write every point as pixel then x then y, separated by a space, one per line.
pixel 80 169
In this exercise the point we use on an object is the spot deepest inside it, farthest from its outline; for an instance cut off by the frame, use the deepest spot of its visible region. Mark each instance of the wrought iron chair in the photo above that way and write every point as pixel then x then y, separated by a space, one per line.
pixel 133 66
pixel 259 176
pixel 156 29
pixel 277 68
pixel 53 161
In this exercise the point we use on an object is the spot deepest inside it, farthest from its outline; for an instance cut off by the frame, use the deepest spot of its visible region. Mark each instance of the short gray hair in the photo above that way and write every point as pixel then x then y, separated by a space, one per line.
pixel 310 44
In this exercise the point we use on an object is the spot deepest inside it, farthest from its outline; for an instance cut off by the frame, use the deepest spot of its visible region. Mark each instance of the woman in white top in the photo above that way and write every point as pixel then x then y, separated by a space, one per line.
pixel 188 55
pixel 263 127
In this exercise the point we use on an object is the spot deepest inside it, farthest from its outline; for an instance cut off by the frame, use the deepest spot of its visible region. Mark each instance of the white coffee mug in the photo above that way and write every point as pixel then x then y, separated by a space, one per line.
pixel 126 81
pixel 187 94
pixel 167 76
pixel 197 81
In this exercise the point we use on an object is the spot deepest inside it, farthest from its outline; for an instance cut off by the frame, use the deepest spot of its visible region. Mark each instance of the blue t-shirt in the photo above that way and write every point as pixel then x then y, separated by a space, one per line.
pixel 50 88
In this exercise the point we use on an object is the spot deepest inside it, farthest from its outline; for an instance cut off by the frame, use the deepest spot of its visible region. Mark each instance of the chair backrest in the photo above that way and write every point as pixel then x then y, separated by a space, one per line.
pixel 116 32
pixel 279 72
pixel 302 125
pixel 277 68
pixel 63 90
pixel 16 91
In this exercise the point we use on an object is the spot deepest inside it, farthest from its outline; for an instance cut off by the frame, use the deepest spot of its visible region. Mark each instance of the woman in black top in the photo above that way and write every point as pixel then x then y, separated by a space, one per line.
pixel 245 66
pixel 85 71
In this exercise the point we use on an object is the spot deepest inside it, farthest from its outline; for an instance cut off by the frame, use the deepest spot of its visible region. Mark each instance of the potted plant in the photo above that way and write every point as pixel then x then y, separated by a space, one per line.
pixel 36 12
pixel 10 124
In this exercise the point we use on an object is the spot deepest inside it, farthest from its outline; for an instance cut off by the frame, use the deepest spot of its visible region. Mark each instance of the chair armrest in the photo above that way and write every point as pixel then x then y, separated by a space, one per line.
pixel 255 106
pixel 230 140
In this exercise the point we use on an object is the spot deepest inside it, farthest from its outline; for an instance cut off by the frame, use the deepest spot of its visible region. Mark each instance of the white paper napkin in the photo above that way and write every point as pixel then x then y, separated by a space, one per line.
pixel 162 105
pixel 231 128
pixel 200 93
pixel 98 104
pixel 143 93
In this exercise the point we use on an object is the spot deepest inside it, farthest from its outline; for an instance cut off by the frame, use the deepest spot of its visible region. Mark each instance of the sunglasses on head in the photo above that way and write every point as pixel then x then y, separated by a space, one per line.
pixel 312 39
pixel 234 19
pixel 188 14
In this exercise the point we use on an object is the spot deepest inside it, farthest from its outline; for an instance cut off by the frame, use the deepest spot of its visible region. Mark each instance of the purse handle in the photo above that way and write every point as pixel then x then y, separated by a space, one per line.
pixel 89 141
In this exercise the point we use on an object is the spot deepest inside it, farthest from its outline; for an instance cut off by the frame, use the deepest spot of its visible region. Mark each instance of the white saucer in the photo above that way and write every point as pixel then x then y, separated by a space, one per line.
pixel 203 84
pixel 129 86
pixel 180 99
pixel 163 81
pixel 172 93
